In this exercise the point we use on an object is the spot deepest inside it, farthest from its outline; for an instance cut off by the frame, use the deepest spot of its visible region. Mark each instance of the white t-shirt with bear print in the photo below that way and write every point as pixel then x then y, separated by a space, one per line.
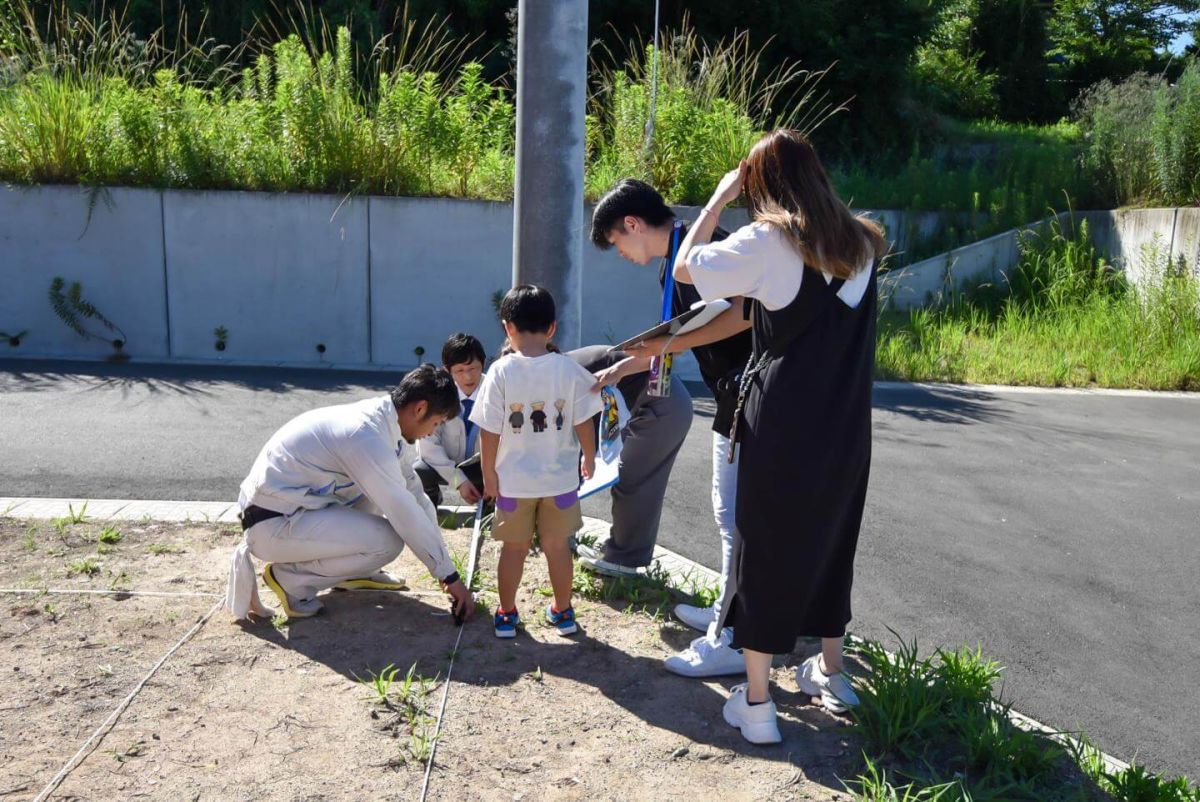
pixel 534 404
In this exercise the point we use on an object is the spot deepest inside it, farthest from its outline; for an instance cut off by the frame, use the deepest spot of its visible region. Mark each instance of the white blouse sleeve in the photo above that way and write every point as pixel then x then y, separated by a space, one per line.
pixel 755 261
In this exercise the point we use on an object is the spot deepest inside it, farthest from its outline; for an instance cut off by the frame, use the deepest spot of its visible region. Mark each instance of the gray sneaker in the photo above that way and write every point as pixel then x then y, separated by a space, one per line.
pixel 835 690
pixel 592 559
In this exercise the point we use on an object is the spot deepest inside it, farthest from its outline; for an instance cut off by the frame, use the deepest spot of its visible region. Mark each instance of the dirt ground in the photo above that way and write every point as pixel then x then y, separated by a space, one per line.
pixel 268 711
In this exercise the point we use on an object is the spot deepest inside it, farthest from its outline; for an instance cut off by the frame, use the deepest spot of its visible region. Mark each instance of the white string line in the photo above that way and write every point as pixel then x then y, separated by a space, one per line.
pixel 104 728
pixel 60 591
pixel 437 733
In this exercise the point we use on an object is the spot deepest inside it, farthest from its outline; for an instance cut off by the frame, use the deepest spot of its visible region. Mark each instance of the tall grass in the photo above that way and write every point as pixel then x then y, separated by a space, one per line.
pixel 1065 319
pixel 711 106
pixel 1143 137
pixel 86 102
pixel 90 105
pixel 985 178
pixel 83 100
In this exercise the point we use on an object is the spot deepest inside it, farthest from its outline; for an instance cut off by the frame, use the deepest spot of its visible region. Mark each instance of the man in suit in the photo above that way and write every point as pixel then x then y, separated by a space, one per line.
pixel 456 439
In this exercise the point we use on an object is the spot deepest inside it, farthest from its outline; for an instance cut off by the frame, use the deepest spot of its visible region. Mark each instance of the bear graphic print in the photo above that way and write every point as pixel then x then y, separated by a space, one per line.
pixel 537 460
pixel 538 416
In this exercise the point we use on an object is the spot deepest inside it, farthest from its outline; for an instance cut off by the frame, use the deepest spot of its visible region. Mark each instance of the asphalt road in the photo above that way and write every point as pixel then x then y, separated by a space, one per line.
pixel 1060 531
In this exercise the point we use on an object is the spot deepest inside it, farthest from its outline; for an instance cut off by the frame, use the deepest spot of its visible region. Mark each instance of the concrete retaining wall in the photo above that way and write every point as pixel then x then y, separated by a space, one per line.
pixel 292 279
pixel 285 276
pixel 110 241
pixel 361 282
pixel 1131 239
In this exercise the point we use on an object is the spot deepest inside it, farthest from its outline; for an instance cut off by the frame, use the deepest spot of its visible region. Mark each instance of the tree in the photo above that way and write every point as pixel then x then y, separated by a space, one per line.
pixel 1011 37
pixel 946 68
pixel 1094 40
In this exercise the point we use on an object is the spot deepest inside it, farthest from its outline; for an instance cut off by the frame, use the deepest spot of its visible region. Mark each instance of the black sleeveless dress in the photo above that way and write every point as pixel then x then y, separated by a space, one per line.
pixel 805 438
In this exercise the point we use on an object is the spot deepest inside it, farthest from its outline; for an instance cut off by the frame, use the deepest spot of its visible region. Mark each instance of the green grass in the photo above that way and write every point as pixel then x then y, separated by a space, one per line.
pixel 82 105
pixel 1066 320
pixel 932 730
pixel 986 177
pixel 311 114
pixel 110 535
pixel 88 566
pixel 73 517
pixel 652 593
pixel 405 698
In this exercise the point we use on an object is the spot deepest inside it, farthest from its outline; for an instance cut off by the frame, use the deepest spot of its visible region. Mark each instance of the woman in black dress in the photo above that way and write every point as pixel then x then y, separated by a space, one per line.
pixel 807 266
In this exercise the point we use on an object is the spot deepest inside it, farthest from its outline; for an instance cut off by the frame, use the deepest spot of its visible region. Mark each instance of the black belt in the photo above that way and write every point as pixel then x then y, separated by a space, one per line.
pixel 254 514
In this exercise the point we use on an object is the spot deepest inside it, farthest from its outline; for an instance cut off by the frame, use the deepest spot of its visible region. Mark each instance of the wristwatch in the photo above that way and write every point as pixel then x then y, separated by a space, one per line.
pixel 450 580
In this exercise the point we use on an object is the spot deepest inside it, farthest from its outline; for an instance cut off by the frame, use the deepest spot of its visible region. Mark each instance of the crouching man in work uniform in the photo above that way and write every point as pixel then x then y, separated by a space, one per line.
pixel 333 497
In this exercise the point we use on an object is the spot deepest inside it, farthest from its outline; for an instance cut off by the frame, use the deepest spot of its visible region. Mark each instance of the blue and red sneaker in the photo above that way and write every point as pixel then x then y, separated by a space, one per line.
pixel 563 621
pixel 506 623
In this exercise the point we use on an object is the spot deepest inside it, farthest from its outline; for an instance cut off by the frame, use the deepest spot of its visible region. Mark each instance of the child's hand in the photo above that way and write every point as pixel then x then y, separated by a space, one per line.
pixel 491 485
pixel 587 465
pixel 607 377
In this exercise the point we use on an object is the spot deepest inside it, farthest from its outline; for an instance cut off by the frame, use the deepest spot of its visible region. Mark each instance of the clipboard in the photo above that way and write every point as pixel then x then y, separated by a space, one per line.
pixel 701 313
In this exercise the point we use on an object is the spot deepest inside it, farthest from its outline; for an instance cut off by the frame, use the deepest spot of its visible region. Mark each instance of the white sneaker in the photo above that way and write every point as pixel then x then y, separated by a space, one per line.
pixel 695 617
pixel 756 722
pixel 706 658
pixel 835 690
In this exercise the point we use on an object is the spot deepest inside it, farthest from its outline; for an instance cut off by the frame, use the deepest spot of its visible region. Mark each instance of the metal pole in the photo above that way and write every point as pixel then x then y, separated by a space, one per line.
pixel 548 225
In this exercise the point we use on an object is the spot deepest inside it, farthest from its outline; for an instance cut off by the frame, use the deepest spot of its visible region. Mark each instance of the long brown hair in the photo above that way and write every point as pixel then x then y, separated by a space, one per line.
pixel 786 186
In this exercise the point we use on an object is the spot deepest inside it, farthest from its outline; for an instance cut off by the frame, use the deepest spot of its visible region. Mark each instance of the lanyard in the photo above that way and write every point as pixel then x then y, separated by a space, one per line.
pixel 669 277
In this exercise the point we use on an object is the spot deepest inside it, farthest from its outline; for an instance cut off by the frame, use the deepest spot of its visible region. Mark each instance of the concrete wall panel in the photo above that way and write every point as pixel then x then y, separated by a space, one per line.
pixel 435 266
pixel 284 274
pixel 109 240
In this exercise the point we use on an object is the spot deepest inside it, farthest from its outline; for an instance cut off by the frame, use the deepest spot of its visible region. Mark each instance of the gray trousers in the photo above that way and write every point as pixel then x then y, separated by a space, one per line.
pixel 656 431
pixel 315 549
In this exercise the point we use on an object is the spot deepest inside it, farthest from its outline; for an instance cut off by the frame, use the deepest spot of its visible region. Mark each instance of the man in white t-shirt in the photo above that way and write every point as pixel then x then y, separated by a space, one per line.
pixel 332 498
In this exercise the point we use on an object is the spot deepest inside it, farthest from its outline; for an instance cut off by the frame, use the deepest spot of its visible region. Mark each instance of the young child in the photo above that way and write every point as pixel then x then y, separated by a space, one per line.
pixel 533 471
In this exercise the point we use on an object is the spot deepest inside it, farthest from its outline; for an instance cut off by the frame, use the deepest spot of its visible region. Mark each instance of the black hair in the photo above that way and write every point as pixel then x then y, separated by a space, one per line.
pixel 430 384
pixel 529 308
pixel 629 198
pixel 462 349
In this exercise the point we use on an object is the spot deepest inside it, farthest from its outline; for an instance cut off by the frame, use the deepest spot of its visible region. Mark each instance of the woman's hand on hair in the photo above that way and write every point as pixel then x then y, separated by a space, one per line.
pixel 729 187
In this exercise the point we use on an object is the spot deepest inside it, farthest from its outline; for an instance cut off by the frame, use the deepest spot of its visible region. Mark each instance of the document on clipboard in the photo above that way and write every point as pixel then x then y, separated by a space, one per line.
pixel 701 313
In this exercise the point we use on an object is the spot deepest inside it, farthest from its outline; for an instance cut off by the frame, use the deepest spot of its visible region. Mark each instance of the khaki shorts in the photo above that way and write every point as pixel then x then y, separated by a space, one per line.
pixel 553 518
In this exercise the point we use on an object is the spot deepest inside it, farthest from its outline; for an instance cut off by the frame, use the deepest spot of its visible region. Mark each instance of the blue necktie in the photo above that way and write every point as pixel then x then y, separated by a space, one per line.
pixel 467 405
